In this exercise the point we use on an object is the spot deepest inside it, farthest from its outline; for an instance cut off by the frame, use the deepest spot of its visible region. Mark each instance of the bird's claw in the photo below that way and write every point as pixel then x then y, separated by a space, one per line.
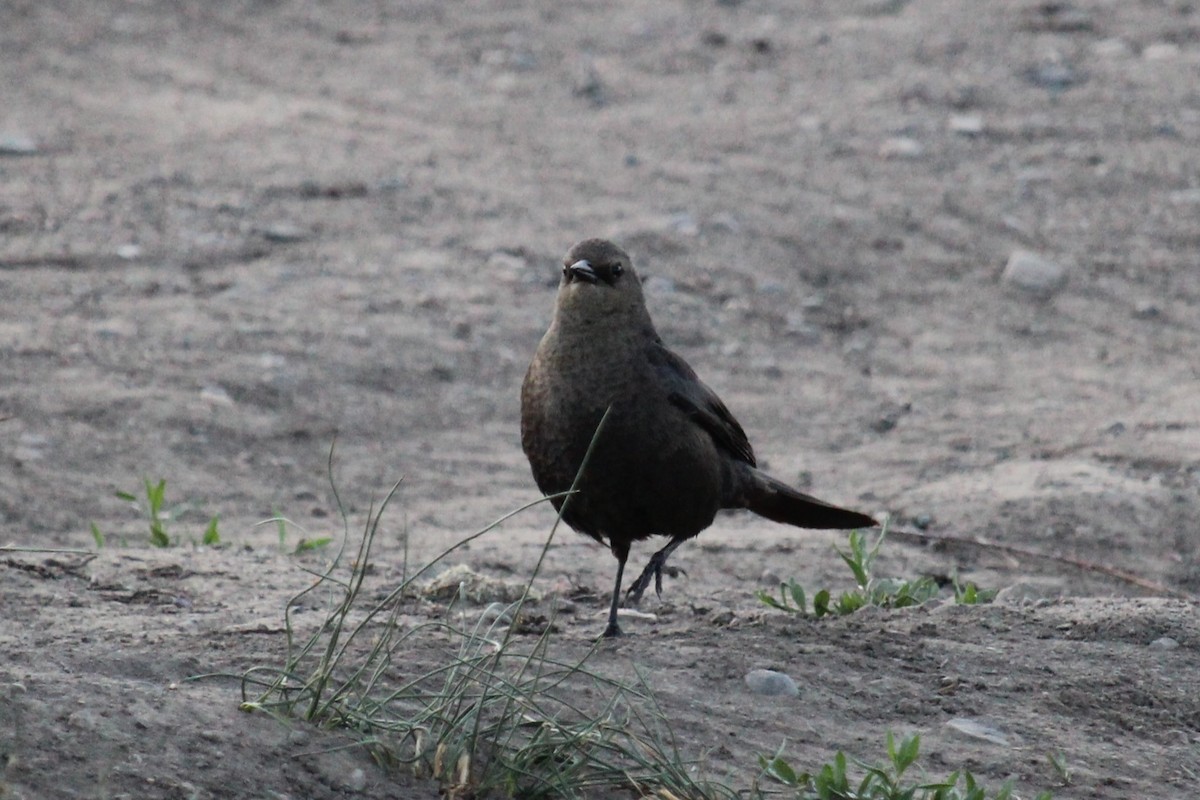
pixel 655 569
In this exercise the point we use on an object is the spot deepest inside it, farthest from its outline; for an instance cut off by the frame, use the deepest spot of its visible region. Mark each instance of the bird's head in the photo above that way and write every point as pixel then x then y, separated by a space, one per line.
pixel 598 279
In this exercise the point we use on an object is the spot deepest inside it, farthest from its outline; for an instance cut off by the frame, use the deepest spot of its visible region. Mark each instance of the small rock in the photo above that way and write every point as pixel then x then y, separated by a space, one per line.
pixel 770 577
pixel 796 325
pixel 1054 77
pixel 685 224
pixel 978 730
pixel 588 84
pixel 966 124
pixel 1111 48
pixel 901 147
pixel 1146 309
pixel 772 683
pixel 923 521
pixel 1164 643
pixel 633 613
pixel 1033 273
pixel 1160 51
pixel 17 144
pixel 216 396
pixel 298 738
pixel 356 781
pixel 129 252
pixel 283 233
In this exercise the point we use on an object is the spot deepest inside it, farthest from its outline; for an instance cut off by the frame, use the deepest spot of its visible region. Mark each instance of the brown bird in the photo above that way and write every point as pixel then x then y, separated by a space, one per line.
pixel 669 456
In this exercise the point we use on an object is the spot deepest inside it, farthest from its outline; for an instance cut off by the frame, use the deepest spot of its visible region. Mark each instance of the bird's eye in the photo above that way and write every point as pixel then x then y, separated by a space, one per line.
pixel 617 269
pixel 565 269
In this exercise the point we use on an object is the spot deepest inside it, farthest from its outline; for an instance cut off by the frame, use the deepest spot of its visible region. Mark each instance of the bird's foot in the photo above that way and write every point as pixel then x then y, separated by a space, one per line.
pixel 654 569
pixel 613 631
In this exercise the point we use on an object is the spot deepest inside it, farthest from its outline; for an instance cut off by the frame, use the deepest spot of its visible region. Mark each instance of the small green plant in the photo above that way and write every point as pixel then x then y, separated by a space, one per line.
pixel 1059 763
pixel 870 591
pixel 969 594
pixel 305 544
pixel 878 782
pixel 159 516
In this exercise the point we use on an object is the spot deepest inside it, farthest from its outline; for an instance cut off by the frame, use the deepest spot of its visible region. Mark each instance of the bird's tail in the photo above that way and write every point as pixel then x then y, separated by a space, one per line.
pixel 777 501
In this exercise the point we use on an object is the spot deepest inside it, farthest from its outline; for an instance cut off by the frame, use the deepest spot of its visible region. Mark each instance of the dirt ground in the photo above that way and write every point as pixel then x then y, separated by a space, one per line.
pixel 230 232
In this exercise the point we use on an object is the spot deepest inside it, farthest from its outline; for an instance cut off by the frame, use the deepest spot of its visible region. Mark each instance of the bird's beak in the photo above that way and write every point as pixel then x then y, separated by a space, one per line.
pixel 583 270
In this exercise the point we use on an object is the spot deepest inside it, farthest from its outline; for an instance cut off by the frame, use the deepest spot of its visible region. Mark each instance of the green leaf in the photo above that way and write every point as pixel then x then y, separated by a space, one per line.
pixel 821 603
pixel 908 754
pixel 126 496
pixel 155 494
pixel 97 536
pixel 781 771
pixel 798 597
pixel 304 545
pixel 158 536
pixel 211 536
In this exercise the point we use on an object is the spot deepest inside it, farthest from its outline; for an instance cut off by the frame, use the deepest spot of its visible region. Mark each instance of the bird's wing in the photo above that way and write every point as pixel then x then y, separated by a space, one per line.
pixel 686 391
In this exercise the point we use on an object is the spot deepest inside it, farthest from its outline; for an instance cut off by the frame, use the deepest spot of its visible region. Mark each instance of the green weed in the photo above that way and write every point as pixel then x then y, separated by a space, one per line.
pixel 833 780
pixel 870 589
pixel 159 516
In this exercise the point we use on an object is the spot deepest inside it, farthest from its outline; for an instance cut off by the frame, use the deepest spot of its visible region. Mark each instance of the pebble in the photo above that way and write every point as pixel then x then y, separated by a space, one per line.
pixel 1146 309
pixel 1164 643
pixel 30 447
pixel 283 233
pixel 128 252
pixel 1034 274
pixel 685 224
pixel 1160 51
pixel 356 781
pixel 901 147
pixel 1111 48
pixel 17 144
pixel 770 682
pixel 966 124
pixel 588 84
pixel 796 325
pixel 1054 77
pixel 978 730
pixel 216 396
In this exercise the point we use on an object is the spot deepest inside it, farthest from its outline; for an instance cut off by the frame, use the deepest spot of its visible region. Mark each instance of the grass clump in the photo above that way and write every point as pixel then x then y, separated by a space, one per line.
pixel 488 712
pixel 885 781
pixel 870 589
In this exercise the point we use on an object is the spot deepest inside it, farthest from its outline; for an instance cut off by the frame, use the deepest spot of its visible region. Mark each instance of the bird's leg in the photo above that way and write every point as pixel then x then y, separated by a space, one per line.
pixel 654 569
pixel 614 629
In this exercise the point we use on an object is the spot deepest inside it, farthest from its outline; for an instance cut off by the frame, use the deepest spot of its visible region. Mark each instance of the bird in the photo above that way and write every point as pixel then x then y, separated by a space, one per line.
pixel 669 454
